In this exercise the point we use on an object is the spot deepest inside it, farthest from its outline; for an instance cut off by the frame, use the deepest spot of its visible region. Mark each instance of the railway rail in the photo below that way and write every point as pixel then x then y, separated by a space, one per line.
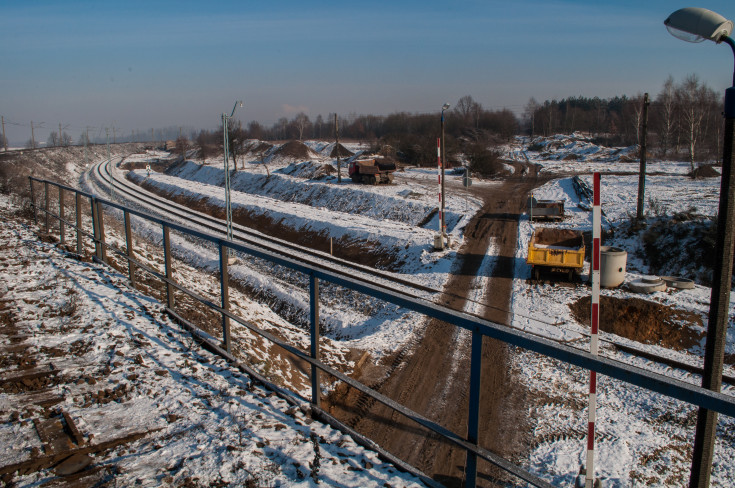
pixel 336 265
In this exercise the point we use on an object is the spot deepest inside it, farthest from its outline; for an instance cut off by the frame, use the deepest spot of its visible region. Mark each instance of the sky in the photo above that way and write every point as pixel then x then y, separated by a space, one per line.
pixel 139 65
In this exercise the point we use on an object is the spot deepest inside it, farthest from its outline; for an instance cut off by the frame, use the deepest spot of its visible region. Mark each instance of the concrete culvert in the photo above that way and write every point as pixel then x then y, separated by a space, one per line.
pixel 677 282
pixel 612 266
pixel 647 284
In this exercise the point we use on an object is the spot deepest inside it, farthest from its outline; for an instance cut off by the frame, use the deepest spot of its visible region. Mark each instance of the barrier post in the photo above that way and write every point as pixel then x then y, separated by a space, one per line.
pixel 46 204
pixel 224 281
pixel 101 229
pixel 314 333
pixel 473 418
pixel 594 326
pixel 62 227
pixel 169 268
pixel 129 247
pixel 33 201
pixel 78 205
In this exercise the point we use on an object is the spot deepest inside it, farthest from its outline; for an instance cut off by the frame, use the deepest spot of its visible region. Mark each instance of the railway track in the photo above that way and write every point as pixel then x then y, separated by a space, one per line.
pixel 244 235
pixel 346 268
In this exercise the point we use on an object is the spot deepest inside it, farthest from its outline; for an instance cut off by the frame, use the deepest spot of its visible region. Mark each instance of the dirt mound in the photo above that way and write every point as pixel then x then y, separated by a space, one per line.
pixel 295 150
pixel 341 151
pixel 259 147
pixel 308 170
pixel 643 321
pixel 705 171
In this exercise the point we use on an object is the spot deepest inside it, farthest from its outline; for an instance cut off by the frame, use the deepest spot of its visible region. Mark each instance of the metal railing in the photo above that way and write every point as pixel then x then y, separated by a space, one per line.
pixel 479 328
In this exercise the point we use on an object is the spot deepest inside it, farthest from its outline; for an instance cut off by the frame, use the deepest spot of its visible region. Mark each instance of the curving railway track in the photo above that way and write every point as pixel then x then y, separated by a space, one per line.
pixel 387 280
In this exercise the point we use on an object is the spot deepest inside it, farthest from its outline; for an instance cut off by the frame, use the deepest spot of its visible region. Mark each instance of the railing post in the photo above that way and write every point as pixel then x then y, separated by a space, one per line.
pixel 95 228
pixel 62 227
pixel 314 333
pixel 169 268
pixel 473 417
pixel 45 203
pixel 129 247
pixel 33 201
pixel 101 229
pixel 80 246
pixel 224 281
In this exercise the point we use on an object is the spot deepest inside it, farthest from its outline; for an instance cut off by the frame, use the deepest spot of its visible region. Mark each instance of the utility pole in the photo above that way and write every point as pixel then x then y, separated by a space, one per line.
pixel 642 174
pixel 33 137
pixel 60 144
pixel 114 137
pixel 339 164
pixel 5 140
pixel 152 138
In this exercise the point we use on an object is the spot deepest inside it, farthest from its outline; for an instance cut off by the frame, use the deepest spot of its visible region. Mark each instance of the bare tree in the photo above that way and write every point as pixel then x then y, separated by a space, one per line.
pixel 666 126
pixel 65 139
pixel 529 115
pixel 53 140
pixel 301 122
pixel 467 109
pixel 693 99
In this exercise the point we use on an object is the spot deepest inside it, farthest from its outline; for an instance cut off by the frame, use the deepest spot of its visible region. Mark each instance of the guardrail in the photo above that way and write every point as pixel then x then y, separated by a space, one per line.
pixel 479 328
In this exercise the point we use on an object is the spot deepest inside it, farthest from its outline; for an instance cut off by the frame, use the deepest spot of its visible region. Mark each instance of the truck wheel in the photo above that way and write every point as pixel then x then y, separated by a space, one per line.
pixel 371 180
pixel 536 273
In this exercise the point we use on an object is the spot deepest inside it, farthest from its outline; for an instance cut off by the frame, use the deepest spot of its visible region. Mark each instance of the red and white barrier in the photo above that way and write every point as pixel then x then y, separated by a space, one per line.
pixel 594 326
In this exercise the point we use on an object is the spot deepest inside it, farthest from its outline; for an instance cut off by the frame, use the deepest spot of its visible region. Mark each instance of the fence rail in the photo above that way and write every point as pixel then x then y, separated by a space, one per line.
pixel 479 328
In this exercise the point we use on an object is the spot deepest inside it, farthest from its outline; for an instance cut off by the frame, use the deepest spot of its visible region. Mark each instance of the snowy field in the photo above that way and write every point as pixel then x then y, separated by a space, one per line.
pixel 642 439
pixel 657 433
pixel 125 368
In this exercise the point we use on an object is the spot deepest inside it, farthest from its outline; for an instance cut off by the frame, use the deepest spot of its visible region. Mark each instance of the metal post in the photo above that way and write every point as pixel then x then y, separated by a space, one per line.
pixel 169 267
pixel 46 204
pixel 129 247
pixel 62 227
pixel 101 227
pixel 339 164
pixel 78 208
pixel 33 201
pixel 642 173
pixel 594 326
pixel 473 418
pixel 224 281
pixel 314 332
pixel 95 229
pixel 444 164
pixel 704 436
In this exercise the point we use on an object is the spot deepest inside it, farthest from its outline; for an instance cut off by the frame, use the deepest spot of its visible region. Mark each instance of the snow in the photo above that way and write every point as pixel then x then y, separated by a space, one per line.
pixel 642 438
pixel 205 421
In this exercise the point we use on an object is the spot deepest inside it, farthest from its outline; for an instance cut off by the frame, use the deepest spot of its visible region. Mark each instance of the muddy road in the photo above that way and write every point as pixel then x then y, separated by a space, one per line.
pixel 431 376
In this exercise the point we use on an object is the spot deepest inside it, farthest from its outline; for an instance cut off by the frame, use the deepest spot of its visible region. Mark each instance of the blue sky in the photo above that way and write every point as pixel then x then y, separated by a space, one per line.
pixel 137 65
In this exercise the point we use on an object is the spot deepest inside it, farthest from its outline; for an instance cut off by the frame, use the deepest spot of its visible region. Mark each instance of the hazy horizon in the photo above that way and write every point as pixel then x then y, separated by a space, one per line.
pixel 137 66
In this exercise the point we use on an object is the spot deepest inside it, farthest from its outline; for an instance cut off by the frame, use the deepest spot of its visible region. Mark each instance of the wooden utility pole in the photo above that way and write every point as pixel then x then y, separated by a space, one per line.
pixel 5 139
pixel 60 134
pixel 336 147
pixel 33 137
pixel 642 173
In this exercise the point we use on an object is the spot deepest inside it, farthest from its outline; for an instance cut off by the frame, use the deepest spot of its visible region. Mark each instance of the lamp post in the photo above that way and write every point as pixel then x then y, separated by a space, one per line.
pixel 696 25
pixel 443 229
pixel 228 203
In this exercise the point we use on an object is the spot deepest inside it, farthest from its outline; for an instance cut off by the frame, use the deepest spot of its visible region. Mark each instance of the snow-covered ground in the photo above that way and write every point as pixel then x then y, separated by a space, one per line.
pixel 126 369
pixel 643 439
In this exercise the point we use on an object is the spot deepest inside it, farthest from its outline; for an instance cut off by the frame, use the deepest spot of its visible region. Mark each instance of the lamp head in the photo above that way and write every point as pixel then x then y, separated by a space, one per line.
pixel 445 106
pixel 694 24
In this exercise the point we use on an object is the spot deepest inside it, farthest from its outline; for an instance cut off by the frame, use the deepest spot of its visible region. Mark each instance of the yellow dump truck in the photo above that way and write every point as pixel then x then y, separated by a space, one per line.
pixel 558 250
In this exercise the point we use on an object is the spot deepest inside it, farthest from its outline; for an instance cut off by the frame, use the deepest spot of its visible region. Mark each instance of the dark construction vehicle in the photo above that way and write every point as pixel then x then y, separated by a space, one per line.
pixel 372 171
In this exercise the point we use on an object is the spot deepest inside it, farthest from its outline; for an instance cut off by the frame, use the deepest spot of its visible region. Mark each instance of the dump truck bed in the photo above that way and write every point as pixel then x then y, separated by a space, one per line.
pixel 556 248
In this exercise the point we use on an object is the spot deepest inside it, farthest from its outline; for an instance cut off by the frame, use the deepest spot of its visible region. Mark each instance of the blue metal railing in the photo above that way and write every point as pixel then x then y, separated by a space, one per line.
pixel 479 328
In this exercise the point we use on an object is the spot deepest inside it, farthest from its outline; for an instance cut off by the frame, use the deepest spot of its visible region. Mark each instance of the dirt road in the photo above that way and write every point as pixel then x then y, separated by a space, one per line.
pixel 432 376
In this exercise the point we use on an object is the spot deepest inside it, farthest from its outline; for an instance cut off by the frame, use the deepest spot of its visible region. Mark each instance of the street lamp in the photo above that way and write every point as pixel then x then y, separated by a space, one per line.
pixel 443 226
pixel 228 203
pixel 696 25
